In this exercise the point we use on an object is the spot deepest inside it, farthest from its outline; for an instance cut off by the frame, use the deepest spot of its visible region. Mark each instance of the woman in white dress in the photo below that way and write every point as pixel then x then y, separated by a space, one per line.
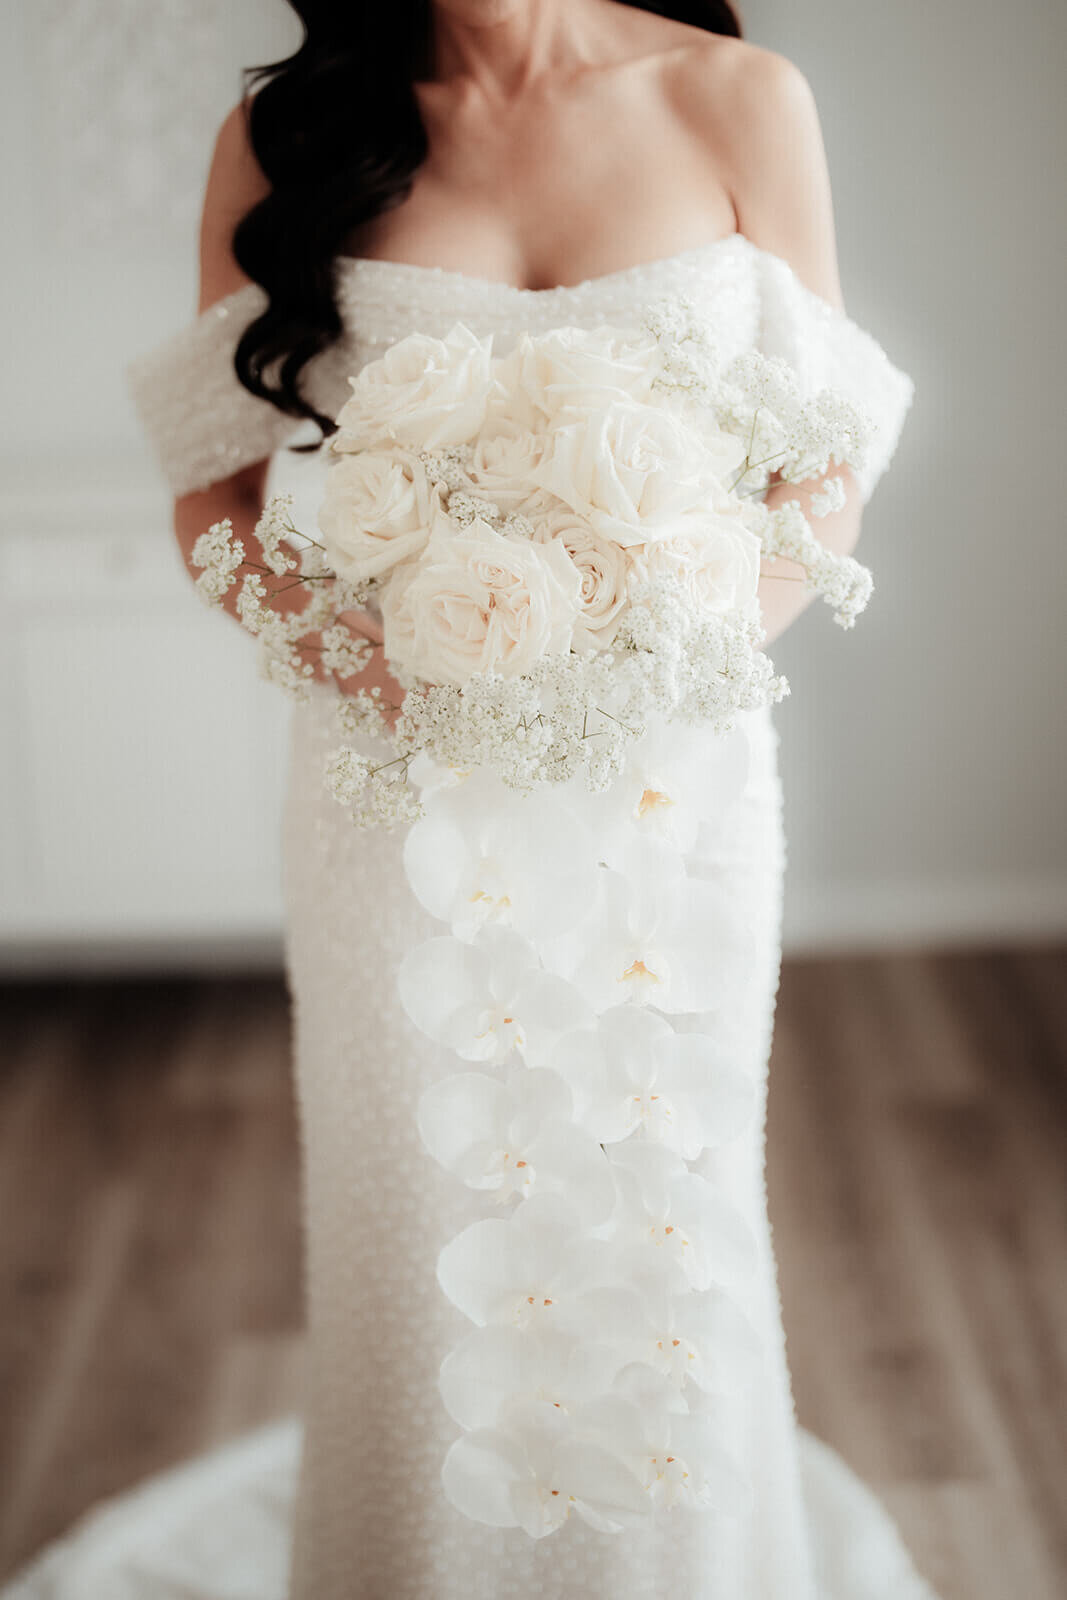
pixel 514 164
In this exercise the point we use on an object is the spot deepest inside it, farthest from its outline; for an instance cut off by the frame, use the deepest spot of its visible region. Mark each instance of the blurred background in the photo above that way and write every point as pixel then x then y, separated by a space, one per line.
pixel 147 1158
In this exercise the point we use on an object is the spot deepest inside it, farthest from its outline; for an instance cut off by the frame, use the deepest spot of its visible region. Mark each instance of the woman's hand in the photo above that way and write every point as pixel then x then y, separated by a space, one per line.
pixel 375 674
pixel 783 592
pixel 240 499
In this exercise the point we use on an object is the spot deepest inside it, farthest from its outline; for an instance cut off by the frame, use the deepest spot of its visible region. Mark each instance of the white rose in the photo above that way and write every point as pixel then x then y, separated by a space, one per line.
pixel 539 503
pixel 603 569
pixel 716 559
pixel 724 456
pixel 426 393
pixel 504 458
pixel 586 367
pixel 479 601
pixel 377 510
pixel 632 470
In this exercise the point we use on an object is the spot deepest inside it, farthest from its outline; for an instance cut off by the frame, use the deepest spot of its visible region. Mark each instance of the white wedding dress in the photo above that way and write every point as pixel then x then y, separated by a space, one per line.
pixel 347 1503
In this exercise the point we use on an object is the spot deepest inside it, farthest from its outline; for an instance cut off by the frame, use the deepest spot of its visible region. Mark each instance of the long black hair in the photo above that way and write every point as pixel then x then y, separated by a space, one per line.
pixel 337 131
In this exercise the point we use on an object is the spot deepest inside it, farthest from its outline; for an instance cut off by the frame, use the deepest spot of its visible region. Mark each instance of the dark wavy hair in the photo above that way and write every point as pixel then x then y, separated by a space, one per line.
pixel 337 131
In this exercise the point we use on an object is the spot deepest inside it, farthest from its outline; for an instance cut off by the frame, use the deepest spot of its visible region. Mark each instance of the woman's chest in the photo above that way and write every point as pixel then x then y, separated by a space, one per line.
pixel 592 185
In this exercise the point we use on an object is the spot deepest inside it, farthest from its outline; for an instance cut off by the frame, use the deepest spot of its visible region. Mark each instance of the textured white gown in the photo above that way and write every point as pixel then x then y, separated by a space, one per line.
pixel 348 1501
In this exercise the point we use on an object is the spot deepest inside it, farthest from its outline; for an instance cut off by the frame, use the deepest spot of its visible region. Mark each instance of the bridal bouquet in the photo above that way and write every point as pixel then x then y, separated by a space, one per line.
pixel 562 547
pixel 559 544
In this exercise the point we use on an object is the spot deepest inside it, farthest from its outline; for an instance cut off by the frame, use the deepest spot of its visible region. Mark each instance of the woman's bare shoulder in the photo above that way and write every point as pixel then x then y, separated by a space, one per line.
pixel 235 184
pixel 755 114
pixel 735 86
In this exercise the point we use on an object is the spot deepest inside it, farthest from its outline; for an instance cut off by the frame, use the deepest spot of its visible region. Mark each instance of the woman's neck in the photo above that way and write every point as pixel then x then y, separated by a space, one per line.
pixel 502 47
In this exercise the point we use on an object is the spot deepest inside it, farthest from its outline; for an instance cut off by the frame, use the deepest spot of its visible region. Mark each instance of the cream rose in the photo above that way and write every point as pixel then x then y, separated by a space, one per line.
pixel 479 601
pixel 603 569
pixel 632 470
pixel 426 393
pixel 587 367
pixel 715 558
pixel 377 511
pixel 504 457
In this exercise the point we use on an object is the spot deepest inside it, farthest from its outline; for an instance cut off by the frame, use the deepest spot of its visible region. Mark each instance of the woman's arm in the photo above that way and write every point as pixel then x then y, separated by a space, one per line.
pixel 235 184
pixel 763 116
pixel 784 204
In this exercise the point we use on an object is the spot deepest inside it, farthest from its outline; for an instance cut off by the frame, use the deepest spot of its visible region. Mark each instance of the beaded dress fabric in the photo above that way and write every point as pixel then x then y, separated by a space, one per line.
pixel 347 1502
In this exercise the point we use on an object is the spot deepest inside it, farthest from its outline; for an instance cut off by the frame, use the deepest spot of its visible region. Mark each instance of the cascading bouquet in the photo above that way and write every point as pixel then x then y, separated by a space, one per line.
pixel 562 549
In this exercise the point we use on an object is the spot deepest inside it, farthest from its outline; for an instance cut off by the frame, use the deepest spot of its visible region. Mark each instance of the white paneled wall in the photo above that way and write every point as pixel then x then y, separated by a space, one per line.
pixel 141 794
pixel 141 790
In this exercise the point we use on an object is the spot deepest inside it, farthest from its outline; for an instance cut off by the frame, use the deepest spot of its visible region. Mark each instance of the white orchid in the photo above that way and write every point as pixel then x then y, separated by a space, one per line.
pixel 538 1267
pixel 662 1205
pixel 483 855
pixel 656 937
pixel 698 1337
pixel 557 1425
pixel 495 1369
pixel 704 1338
pixel 667 790
pixel 645 1423
pixel 538 1470
pixel 486 999
pixel 516 1138
pixel 633 1073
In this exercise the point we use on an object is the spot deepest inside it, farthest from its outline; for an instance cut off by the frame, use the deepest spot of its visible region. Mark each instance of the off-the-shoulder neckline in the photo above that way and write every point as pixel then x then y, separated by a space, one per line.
pixel 358 264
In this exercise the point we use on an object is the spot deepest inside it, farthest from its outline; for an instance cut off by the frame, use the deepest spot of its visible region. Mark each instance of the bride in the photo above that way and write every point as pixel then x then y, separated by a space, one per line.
pixel 517 165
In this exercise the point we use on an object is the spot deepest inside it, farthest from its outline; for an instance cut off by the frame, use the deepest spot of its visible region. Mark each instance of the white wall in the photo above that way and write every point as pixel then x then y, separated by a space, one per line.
pixel 923 753
pixel 134 730
pixel 96 268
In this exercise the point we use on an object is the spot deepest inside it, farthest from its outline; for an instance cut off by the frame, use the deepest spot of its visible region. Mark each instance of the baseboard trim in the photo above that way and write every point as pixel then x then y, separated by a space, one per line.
pixel 136 956
pixel 820 919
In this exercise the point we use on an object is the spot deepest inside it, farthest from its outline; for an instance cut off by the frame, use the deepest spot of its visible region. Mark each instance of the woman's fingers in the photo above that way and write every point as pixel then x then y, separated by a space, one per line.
pixel 375 675
pixel 360 622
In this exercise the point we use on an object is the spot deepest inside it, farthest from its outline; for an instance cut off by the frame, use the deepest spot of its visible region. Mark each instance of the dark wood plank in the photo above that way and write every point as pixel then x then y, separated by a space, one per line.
pixel 916 1181
pixel 150 1246
pixel 150 1249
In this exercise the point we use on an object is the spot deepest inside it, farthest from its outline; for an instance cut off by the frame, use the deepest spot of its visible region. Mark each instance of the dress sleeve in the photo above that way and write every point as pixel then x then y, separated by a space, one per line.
pixel 828 350
pixel 202 422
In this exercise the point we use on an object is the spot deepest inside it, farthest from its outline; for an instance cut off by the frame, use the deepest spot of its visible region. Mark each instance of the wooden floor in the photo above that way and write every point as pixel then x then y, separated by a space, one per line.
pixel 150 1248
